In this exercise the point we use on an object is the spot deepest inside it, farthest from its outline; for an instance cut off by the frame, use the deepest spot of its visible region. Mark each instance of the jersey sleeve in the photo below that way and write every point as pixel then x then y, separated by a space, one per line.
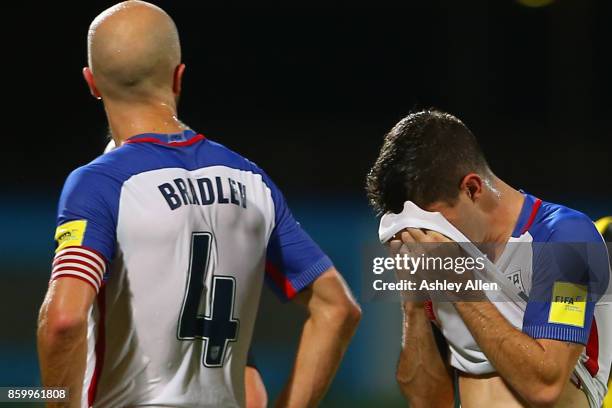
pixel 293 259
pixel 570 274
pixel 86 225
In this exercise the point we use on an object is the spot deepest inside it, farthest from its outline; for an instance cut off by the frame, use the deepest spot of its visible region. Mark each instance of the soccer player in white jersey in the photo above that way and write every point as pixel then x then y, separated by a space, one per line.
pixel 163 245
pixel 256 395
pixel 558 352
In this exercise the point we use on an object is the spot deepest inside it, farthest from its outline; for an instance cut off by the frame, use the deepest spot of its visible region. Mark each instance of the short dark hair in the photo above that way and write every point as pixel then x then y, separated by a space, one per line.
pixel 423 159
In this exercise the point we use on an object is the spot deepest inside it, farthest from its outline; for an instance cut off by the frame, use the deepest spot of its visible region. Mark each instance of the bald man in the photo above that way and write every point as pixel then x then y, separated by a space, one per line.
pixel 163 245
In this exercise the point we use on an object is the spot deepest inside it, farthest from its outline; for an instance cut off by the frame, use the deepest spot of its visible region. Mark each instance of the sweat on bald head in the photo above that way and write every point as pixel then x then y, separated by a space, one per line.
pixel 133 50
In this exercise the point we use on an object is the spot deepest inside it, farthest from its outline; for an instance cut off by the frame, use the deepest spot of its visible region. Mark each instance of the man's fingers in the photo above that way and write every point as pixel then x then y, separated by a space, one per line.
pixel 437 237
pixel 423 235
pixel 394 246
pixel 417 235
pixel 407 237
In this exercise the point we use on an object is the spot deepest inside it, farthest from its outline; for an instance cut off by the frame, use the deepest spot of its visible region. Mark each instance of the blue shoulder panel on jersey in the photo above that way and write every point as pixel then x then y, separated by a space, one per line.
pixel 92 193
pixel 570 273
pixel 91 196
pixel 293 259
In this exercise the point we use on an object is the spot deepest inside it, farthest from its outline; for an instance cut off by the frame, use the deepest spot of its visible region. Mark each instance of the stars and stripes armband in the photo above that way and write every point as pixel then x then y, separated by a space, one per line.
pixel 81 263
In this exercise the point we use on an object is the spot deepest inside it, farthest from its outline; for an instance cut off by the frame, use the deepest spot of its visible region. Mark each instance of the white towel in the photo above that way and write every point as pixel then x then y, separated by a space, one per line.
pixel 412 216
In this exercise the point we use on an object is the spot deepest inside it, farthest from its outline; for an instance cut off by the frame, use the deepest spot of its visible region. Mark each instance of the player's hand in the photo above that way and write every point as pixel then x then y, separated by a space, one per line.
pixel 402 244
pixel 435 245
pixel 423 236
pixel 417 242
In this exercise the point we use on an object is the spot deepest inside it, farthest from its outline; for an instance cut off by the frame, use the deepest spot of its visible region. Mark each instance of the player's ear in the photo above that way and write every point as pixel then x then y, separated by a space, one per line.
pixel 88 75
pixel 472 185
pixel 178 79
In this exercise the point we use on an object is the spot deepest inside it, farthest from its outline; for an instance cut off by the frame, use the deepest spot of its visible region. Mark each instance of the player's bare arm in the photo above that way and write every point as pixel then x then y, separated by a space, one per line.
pixel 255 390
pixel 333 316
pixel 62 335
pixel 538 370
pixel 423 377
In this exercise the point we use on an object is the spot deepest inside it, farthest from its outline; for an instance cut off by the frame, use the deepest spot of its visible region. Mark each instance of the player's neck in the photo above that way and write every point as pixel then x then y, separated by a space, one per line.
pixel 505 214
pixel 126 120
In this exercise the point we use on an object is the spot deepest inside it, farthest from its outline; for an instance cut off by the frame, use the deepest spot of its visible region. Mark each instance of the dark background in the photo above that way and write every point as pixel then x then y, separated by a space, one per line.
pixel 308 92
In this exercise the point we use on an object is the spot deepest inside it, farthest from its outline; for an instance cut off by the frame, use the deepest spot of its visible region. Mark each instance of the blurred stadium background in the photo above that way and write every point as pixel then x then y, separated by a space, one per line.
pixel 308 92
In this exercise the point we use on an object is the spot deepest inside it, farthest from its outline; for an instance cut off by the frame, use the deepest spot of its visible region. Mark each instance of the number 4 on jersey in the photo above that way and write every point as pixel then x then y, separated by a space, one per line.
pixel 218 327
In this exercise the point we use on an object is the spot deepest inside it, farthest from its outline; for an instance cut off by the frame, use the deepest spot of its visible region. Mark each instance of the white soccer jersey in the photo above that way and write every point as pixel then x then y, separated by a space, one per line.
pixel 556 257
pixel 176 234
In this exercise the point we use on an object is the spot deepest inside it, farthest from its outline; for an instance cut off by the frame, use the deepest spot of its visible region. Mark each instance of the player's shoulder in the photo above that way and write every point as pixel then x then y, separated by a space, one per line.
pixel 104 175
pixel 94 179
pixel 108 172
pixel 219 154
pixel 559 223
pixel 101 170
pixel 216 153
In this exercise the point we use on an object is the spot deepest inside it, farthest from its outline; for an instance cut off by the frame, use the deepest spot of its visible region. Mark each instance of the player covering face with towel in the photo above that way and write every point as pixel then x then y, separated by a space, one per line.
pixel 558 352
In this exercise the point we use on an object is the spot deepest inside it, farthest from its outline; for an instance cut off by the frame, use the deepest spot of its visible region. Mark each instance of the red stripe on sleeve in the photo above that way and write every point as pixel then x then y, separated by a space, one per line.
pixel 66 270
pixel 592 351
pixel 86 248
pixel 62 265
pixel 67 253
pixel 280 280
pixel 81 263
